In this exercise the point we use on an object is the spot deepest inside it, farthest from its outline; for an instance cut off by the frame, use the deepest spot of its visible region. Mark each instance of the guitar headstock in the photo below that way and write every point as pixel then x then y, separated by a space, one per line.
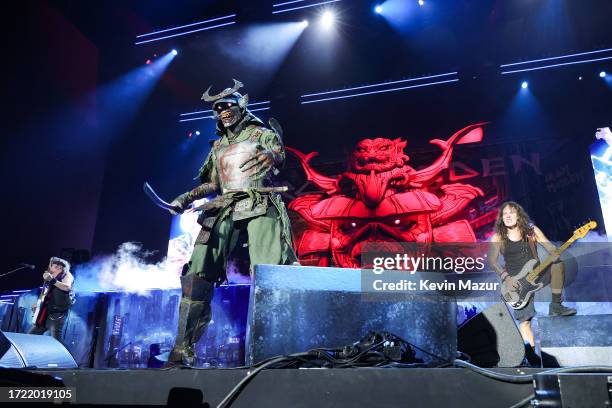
pixel 583 231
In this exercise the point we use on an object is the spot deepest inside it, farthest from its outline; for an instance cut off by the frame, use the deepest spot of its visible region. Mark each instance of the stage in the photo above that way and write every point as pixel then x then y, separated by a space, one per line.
pixel 363 387
pixel 294 314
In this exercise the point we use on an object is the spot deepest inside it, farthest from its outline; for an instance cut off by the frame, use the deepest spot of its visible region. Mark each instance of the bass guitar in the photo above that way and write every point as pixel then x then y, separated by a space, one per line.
pixel 528 280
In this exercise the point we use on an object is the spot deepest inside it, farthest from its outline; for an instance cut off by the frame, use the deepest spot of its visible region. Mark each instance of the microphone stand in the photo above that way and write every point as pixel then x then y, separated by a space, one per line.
pixel 15 270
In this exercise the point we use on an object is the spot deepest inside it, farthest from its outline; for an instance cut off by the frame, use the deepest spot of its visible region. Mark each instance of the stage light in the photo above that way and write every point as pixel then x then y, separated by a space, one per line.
pixel 317 4
pixel 174 52
pixel 197 133
pixel 148 61
pixel 378 9
pixel 421 3
pixel 327 19
pixel 209 112
pixel 379 91
pixel 580 78
pixel 186 32
pixel 525 85
pixel 602 74
pixel 305 23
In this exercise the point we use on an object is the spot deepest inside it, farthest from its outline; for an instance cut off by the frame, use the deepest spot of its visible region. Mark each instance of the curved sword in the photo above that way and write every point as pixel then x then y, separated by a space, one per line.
pixel 157 200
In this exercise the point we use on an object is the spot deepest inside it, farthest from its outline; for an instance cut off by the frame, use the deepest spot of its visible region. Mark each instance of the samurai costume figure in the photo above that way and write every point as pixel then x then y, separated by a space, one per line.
pixel 239 167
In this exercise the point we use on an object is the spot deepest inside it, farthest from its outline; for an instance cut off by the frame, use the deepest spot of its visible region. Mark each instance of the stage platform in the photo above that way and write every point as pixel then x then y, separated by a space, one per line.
pixel 358 387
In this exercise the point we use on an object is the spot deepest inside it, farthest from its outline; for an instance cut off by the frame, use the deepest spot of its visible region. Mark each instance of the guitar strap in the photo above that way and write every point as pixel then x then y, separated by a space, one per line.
pixel 532 246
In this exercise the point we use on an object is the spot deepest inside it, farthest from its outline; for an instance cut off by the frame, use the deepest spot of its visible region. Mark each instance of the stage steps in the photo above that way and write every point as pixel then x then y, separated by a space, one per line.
pixel 577 340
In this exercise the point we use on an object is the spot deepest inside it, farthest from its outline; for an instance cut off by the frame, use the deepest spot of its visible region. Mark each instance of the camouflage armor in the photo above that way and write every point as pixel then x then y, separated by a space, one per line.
pixel 239 166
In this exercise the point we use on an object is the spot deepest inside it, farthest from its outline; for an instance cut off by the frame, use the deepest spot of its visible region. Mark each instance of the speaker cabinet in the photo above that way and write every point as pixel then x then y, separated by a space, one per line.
pixel 19 350
pixel 492 339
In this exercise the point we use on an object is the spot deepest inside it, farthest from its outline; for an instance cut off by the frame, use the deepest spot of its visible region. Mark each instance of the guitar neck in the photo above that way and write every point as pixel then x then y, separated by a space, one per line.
pixel 548 261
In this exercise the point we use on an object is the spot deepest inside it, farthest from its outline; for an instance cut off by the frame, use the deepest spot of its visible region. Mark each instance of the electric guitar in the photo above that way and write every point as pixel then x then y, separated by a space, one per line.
pixel 528 280
pixel 40 301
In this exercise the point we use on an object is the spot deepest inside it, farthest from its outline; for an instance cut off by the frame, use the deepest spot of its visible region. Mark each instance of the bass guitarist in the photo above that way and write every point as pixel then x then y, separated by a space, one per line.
pixel 516 239
pixel 51 310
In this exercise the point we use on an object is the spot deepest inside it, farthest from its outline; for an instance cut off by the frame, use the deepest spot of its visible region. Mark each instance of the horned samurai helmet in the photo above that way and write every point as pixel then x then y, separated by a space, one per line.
pixel 229 105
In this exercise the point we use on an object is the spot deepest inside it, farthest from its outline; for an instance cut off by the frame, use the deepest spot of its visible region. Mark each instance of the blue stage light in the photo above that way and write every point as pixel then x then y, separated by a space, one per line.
pixel 602 74
pixel 305 23
pixel 378 9
pixel 187 25
pixel 197 133
pixel 174 52
pixel 559 57
pixel 379 84
pixel 421 3
pixel 327 19
pixel 322 3
pixel 525 85
pixel 212 117
pixel 380 91
pixel 210 110
pixel 185 33
pixel 561 64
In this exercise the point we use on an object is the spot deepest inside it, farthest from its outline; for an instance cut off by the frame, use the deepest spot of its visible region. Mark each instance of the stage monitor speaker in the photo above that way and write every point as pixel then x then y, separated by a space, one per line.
pixel 576 340
pixel 19 350
pixel 492 339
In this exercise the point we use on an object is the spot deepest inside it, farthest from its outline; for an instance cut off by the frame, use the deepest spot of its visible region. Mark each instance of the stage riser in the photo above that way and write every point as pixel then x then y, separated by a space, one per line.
pixel 577 340
pixel 138 320
pixel 294 309
pixel 571 356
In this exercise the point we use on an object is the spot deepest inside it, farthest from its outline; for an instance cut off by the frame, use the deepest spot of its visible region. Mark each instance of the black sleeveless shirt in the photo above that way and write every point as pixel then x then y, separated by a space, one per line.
pixel 516 255
pixel 59 300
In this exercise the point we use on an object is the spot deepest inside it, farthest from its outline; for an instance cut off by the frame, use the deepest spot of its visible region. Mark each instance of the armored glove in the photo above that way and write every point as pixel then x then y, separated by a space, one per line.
pixel 182 202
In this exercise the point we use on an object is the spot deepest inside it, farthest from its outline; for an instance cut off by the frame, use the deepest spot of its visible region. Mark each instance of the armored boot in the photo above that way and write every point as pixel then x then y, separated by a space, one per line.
pixel 194 316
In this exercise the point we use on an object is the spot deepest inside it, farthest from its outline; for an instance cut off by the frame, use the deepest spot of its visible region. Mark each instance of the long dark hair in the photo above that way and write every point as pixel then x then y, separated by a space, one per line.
pixel 522 221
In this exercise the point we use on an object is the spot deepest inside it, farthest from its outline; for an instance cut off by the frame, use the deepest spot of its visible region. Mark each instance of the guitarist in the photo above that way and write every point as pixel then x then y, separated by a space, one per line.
pixel 56 301
pixel 516 240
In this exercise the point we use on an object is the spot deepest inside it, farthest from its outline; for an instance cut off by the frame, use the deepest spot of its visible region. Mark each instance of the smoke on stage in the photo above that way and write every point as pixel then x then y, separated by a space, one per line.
pixel 126 270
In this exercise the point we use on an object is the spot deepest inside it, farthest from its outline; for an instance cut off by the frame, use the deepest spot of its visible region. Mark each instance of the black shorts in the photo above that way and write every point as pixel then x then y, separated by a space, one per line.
pixel 528 312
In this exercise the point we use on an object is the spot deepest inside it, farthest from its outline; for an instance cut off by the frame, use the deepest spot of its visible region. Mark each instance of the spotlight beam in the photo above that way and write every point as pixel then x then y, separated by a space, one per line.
pixel 187 25
pixel 185 33
pixel 303 7
pixel 555 58
pixel 380 84
pixel 381 91
pixel 556 65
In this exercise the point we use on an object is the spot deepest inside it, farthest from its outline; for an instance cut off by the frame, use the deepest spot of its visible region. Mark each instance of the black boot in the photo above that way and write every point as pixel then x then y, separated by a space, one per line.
pixel 532 359
pixel 557 309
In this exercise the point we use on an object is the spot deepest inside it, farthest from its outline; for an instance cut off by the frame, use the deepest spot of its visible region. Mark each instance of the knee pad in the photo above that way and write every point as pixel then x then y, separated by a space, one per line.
pixel 196 288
